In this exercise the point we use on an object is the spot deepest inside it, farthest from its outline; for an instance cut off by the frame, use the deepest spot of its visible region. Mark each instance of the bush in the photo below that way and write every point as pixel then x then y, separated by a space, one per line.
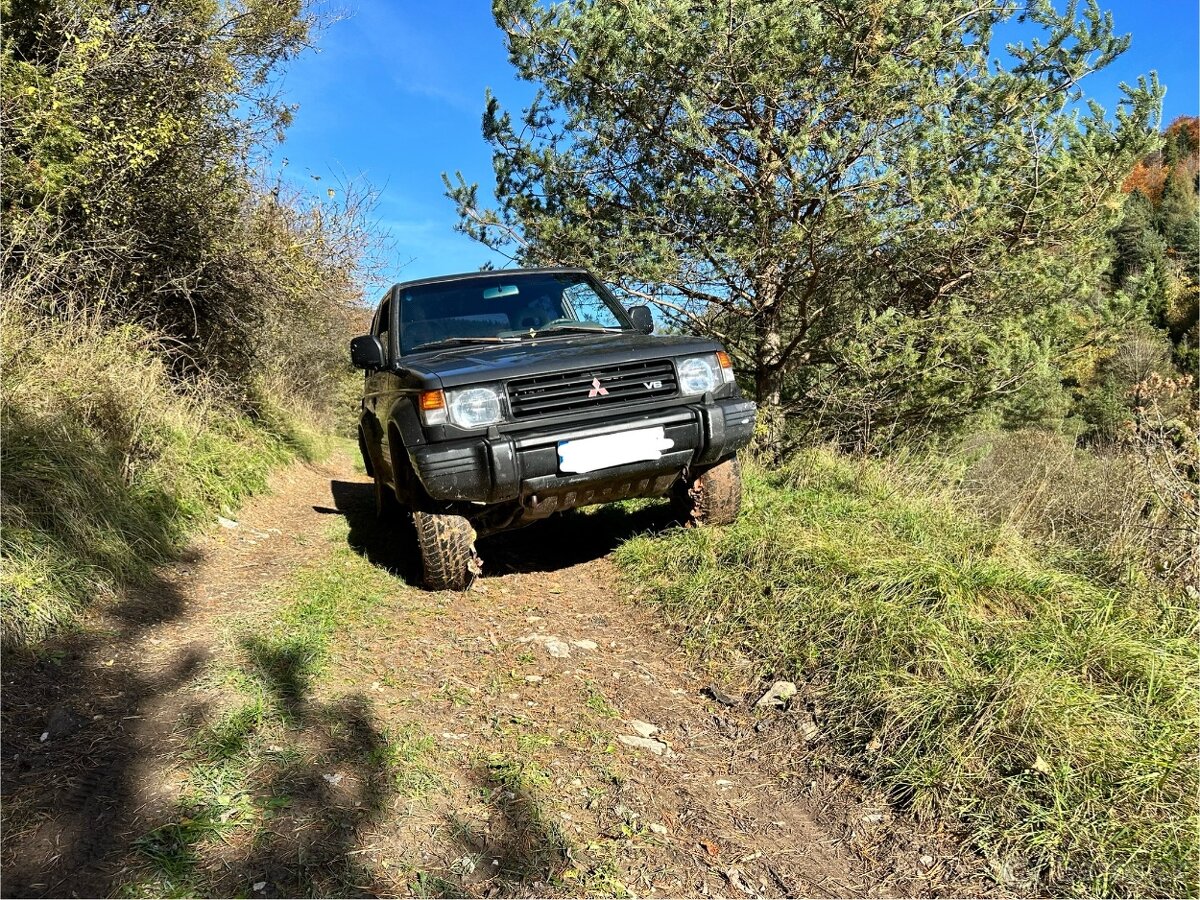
pixel 1165 437
pixel 131 139
pixel 160 294
pixel 1129 507
pixel 963 671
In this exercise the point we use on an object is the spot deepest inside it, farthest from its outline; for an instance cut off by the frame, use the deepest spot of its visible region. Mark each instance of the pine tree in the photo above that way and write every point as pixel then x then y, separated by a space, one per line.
pixel 1180 213
pixel 1137 242
pixel 857 198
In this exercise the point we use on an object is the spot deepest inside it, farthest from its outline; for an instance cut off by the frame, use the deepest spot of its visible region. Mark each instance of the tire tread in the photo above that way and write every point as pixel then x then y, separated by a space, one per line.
pixel 714 497
pixel 447 545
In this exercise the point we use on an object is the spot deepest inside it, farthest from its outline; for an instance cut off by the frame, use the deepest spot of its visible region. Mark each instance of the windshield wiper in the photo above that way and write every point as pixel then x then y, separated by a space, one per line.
pixel 588 329
pixel 456 341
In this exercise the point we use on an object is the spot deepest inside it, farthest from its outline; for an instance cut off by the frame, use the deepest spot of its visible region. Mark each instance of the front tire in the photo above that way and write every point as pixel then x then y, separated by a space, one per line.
pixel 447 545
pixel 714 497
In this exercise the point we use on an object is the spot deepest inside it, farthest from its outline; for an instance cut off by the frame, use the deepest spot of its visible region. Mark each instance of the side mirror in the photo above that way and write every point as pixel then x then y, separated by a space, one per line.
pixel 642 320
pixel 366 352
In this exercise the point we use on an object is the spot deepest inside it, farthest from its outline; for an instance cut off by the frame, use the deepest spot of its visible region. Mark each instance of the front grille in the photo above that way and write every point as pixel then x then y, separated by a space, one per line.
pixel 562 392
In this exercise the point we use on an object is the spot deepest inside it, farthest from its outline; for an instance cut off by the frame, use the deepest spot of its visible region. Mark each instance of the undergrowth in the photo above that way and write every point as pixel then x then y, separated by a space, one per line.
pixel 108 463
pixel 1051 713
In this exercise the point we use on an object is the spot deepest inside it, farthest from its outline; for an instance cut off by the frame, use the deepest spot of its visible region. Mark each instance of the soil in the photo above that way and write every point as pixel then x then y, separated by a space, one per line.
pixel 719 800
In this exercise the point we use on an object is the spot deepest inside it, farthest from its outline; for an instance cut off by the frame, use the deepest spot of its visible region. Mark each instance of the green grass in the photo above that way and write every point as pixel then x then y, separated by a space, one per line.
pixel 1052 715
pixel 521 796
pixel 599 704
pixel 109 464
pixel 405 755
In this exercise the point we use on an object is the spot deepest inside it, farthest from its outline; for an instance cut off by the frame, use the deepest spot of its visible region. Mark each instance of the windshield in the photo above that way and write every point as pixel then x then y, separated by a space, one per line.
pixel 505 307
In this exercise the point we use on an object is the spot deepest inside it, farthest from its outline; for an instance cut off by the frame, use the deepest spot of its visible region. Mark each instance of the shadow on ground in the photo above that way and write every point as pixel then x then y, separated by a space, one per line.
pixel 571 538
pixel 390 544
pixel 72 749
pixel 312 792
pixel 521 851
pixel 559 542
pixel 83 813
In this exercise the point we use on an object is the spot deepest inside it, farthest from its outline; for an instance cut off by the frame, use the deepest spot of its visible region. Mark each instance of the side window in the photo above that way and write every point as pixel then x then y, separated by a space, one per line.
pixel 382 324
pixel 585 305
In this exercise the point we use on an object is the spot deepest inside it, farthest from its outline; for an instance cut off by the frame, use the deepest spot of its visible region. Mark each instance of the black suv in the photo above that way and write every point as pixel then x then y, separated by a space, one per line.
pixel 493 399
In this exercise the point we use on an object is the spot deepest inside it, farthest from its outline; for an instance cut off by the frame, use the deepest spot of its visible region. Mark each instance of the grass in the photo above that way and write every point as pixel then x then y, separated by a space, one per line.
pixel 599 704
pixel 405 754
pixel 1052 715
pixel 109 464
pixel 280 733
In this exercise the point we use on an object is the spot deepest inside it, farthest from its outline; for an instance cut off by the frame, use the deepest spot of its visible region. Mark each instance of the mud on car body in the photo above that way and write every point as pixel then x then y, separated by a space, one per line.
pixel 494 399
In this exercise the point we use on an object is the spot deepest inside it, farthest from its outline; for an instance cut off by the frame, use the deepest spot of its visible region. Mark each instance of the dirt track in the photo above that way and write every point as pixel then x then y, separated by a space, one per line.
pixel 721 812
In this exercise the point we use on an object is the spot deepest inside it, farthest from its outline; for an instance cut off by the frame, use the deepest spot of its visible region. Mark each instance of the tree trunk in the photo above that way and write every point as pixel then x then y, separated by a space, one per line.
pixel 768 373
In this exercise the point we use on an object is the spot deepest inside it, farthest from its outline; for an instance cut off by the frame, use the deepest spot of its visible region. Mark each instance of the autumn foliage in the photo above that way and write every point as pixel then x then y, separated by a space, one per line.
pixel 1148 178
pixel 1181 142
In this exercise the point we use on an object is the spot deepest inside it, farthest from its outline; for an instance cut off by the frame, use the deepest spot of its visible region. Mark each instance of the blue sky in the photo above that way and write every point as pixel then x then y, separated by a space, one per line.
pixel 395 94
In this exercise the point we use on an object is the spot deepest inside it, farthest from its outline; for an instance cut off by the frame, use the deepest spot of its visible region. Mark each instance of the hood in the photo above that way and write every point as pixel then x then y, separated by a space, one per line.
pixel 472 364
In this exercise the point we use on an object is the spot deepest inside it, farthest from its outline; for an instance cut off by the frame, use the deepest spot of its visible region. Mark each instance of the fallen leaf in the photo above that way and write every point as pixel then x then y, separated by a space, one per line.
pixel 710 847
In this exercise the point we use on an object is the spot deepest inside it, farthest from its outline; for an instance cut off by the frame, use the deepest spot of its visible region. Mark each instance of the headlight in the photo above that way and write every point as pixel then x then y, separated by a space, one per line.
pixel 697 374
pixel 474 407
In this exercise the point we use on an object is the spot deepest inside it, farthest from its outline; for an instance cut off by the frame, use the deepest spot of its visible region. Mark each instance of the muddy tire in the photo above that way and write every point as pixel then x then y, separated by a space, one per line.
pixel 714 497
pixel 447 545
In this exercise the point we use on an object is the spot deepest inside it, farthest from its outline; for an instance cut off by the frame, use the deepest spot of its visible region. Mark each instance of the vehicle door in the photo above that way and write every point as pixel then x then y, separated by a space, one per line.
pixel 376 388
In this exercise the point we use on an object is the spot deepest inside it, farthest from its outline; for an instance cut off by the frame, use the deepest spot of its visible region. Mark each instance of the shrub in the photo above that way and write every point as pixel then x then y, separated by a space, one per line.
pixel 160 295
pixel 1039 483
pixel 1165 437
pixel 131 140
pixel 1128 507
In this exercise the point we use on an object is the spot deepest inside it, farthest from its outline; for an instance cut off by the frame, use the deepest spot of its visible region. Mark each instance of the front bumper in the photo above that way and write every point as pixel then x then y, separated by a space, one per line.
pixel 500 467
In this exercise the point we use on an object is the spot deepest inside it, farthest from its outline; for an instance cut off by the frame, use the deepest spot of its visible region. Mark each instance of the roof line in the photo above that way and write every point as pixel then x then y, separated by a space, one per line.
pixel 491 273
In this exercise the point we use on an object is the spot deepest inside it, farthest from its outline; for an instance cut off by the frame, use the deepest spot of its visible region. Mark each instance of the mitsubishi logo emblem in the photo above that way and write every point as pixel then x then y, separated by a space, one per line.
pixel 596 390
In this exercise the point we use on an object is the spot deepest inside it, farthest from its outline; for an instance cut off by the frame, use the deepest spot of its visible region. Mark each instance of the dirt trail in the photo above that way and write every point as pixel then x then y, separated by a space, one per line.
pixel 522 690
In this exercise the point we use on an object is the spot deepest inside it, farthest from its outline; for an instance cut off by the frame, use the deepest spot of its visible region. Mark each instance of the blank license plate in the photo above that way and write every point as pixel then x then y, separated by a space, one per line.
pixel 608 450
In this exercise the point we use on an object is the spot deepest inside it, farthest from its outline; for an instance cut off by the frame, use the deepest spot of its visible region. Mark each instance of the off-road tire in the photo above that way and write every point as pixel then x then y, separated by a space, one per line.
pixel 714 497
pixel 447 545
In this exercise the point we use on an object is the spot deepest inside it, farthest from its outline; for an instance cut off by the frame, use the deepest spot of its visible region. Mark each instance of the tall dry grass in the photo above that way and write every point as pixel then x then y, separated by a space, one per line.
pixel 1130 507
